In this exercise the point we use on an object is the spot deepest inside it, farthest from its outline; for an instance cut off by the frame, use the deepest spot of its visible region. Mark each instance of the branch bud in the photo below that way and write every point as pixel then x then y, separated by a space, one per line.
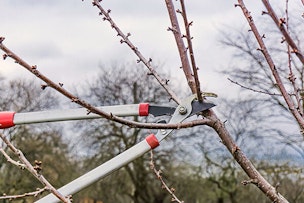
pixel 5 56
pixel 282 21
pixel 43 87
pixel 259 49
pixel 264 13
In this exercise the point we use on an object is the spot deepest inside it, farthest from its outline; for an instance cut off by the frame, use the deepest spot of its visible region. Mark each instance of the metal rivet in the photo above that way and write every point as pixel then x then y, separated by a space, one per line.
pixel 182 110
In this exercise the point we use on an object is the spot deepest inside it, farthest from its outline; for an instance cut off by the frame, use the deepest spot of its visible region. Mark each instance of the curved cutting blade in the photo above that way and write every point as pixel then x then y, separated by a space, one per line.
pixel 200 106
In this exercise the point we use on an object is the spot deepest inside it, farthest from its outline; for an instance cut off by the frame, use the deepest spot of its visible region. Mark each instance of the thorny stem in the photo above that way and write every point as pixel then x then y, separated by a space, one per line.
pixel 284 31
pixel 297 115
pixel 180 45
pixel 125 39
pixel 163 183
pixel 191 53
pixel 59 88
pixel 32 170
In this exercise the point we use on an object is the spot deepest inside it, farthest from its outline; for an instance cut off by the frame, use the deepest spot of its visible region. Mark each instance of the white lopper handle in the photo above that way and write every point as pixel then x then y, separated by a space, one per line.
pixel 78 114
pixel 105 169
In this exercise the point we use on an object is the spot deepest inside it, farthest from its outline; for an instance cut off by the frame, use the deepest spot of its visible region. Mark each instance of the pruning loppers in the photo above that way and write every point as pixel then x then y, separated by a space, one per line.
pixel 188 107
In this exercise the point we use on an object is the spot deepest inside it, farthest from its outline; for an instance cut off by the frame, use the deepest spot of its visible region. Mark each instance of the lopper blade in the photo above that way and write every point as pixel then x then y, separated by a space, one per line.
pixel 161 110
pixel 200 106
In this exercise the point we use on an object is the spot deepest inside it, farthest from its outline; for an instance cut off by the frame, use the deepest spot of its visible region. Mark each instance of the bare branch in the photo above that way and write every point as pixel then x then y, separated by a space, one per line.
pixel 254 90
pixel 28 194
pixel 163 183
pixel 297 115
pixel 280 24
pixel 33 171
pixel 180 46
pixel 291 76
pixel 125 39
pixel 190 48
pixel 9 159
pixel 243 161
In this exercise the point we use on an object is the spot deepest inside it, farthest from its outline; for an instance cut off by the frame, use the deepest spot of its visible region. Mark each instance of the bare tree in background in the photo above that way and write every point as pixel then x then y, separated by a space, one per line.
pixel 258 86
pixel 108 139
pixel 183 38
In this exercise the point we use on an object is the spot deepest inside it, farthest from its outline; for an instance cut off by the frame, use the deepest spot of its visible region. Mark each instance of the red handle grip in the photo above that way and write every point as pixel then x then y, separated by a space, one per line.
pixel 6 119
pixel 152 141
pixel 144 109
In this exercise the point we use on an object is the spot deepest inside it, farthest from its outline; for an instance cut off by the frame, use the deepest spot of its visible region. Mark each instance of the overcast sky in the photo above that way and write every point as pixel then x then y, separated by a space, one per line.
pixel 68 41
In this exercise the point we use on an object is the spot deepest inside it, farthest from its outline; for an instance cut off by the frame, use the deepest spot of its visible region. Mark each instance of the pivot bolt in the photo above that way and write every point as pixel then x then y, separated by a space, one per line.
pixel 182 110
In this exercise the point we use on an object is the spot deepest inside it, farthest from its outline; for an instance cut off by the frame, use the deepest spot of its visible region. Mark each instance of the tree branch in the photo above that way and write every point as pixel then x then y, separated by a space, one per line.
pixel 9 159
pixel 191 53
pixel 297 115
pixel 254 90
pixel 125 39
pixel 180 45
pixel 280 24
pixel 163 183
pixel 243 161
pixel 34 194
pixel 33 170
pixel 291 76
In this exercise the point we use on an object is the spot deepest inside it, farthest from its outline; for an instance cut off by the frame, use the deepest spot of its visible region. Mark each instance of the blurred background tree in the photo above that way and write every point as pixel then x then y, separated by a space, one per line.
pixel 193 161
pixel 42 142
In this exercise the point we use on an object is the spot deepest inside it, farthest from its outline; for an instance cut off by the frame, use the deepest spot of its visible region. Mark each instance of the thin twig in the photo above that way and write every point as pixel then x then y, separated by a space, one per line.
pixel 28 194
pixel 254 90
pixel 33 171
pixel 125 39
pixel 180 45
pixel 9 159
pixel 163 183
pixel 291 76
pixel 191 53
